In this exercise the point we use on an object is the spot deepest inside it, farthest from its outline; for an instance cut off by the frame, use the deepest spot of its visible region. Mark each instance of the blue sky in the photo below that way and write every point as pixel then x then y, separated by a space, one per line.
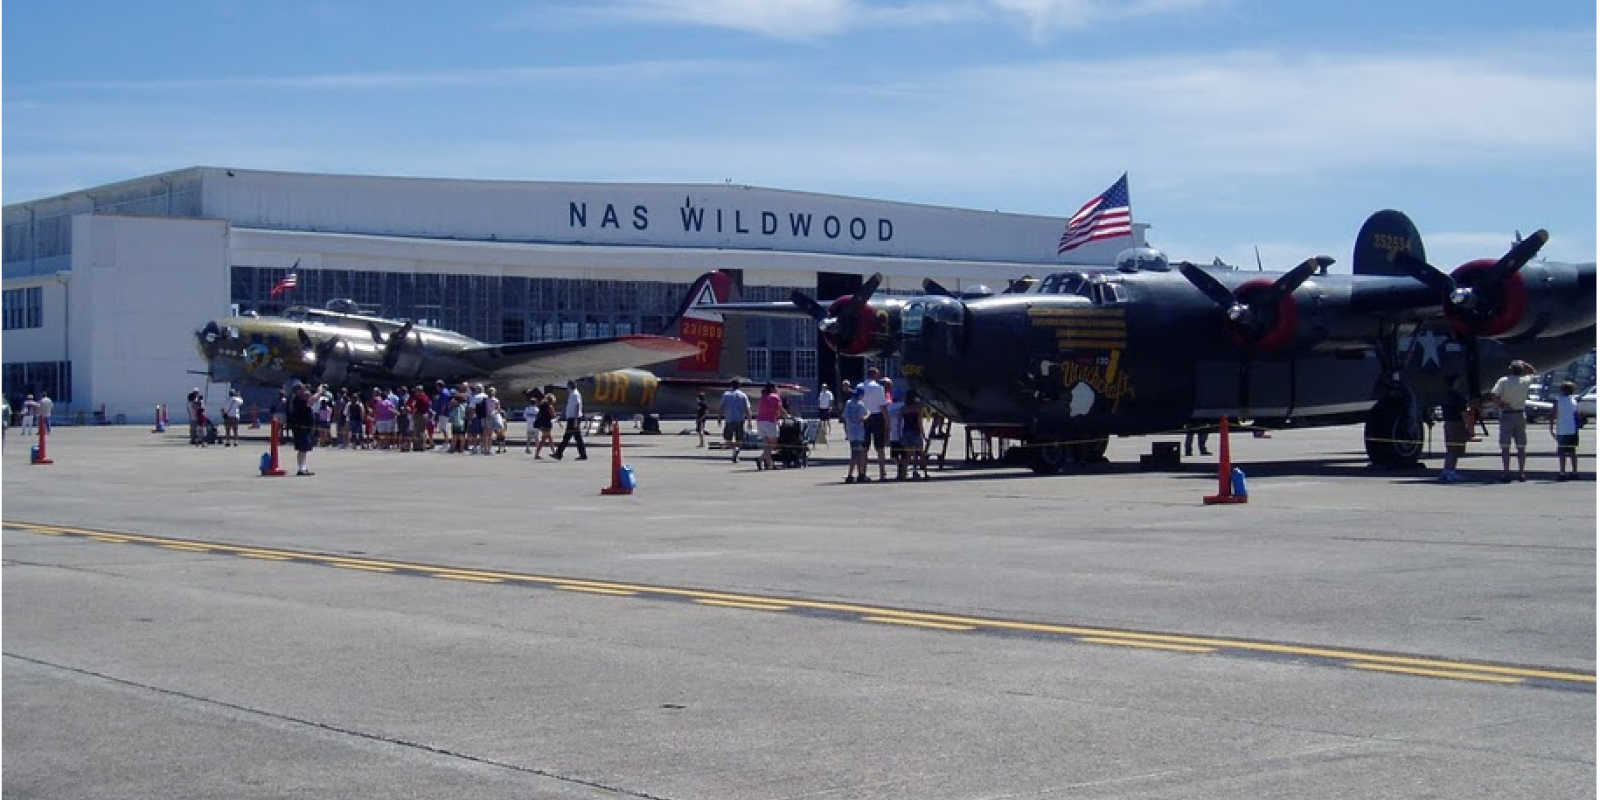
pixel 1242 123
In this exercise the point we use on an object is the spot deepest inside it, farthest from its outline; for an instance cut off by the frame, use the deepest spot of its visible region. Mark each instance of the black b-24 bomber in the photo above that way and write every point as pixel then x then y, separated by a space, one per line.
pixel 1065 362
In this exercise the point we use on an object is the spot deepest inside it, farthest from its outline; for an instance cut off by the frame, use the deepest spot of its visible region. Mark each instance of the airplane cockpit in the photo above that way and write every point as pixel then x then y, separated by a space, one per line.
pixel 1098 287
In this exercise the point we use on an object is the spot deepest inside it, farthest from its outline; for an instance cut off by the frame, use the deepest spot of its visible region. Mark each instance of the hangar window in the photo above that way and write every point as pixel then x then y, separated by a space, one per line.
pixel 24 308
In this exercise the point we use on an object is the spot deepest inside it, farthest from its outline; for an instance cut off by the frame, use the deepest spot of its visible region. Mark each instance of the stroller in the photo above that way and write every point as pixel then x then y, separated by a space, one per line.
pixel 792 449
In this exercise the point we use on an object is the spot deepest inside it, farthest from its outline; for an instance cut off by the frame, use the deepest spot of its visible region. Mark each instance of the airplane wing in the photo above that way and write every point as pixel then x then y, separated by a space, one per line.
pixel 774 308
pixel 537 363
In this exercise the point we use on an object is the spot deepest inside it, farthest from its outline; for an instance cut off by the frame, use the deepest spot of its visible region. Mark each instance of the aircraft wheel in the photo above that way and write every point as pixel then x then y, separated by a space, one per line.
pixel 1092 451
pixel 1049 458
pixel 1394 432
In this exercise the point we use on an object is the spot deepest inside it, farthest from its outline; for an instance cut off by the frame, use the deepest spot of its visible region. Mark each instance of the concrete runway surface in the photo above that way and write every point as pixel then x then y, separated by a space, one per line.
pixel 429 625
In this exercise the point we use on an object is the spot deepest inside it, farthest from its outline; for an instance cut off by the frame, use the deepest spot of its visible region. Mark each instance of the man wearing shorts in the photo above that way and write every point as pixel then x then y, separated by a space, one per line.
pixel 733 414
pixel 1511 395
pixel 875 400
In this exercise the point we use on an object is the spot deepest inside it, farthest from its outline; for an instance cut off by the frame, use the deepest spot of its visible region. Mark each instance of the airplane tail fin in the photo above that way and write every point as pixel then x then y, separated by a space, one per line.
pixel 1384 235
pixel 700 327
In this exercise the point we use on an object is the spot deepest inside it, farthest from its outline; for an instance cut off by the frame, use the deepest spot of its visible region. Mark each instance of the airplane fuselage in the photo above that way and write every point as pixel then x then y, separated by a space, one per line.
pixel 1101 353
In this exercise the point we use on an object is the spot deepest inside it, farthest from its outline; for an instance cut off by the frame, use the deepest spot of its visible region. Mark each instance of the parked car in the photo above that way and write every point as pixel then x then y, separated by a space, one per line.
pixel 1540 403
pixel 1539 409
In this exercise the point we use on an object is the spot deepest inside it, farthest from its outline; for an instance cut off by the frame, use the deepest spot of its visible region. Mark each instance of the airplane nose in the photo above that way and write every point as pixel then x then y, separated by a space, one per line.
pixel 207 337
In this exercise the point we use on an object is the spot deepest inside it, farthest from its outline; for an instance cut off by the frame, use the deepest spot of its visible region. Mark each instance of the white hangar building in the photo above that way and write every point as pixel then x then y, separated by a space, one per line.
pixel 104 288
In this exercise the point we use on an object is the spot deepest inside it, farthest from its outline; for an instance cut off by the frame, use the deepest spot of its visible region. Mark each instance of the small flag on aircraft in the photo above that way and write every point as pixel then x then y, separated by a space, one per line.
pixel 287 282
pixel 1106 216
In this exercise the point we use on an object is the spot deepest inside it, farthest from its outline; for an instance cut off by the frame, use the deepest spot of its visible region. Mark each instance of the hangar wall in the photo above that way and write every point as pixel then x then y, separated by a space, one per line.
pixel 128 271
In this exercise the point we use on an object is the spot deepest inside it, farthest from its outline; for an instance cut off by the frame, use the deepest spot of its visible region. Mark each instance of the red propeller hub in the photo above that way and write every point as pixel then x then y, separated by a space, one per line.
pixel 1283 317
pixel 1497 308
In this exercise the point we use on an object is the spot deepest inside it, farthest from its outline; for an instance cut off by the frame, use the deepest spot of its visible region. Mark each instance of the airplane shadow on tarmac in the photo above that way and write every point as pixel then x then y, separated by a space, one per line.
pixel 1344 465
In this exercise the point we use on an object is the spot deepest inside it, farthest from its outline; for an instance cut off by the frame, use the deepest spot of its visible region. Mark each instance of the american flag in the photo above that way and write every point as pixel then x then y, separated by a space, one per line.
pixel 284 284
pixel 1106 216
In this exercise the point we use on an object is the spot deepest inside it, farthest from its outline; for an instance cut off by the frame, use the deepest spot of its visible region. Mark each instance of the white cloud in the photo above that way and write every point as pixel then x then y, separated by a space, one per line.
pixel 783 19
pixel 813 19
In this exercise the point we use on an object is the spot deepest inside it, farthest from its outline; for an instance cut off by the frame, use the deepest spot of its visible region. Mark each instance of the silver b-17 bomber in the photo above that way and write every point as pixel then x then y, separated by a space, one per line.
pixel 1066 362
pixel 339 345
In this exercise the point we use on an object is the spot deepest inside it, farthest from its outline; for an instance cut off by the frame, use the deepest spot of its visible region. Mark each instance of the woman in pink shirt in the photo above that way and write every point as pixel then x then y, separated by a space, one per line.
pixel 768 412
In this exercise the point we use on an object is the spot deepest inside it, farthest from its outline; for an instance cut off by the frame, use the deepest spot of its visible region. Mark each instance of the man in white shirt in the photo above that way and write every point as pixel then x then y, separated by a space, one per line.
pixel 824 413
pixel 734 414
pixel 574 418
pixel 875 399
pixel 1511 395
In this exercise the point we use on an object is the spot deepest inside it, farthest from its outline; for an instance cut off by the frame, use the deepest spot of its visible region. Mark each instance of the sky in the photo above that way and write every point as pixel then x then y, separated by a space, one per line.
pixel 1245 126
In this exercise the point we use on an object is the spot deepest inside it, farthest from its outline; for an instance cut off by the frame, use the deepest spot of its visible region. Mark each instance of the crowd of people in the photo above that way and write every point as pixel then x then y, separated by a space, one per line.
pixel 468 418
pixel 471 418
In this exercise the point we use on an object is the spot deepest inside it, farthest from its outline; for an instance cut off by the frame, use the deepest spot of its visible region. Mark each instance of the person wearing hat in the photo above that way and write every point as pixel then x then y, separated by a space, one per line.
pixel 231 409
pixel 1511 396
pixel 854 420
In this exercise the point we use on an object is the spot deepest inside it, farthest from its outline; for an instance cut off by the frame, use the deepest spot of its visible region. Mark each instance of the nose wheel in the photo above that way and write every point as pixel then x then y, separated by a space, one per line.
pixel 1052 458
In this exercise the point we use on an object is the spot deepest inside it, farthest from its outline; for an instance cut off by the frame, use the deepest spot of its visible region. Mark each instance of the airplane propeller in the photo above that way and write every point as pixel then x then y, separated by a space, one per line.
pixel 397 341
pixel 1256 314
pixel 848 323
pixel 1481 298
pixel 322 356
pixel 392 344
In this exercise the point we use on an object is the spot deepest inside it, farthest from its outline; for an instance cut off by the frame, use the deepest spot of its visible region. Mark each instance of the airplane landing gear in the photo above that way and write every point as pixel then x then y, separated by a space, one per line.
pixel 1051 458
pixel 1394 430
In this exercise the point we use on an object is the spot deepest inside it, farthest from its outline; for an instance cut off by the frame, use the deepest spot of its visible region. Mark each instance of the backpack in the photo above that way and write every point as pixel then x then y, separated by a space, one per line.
pixel 482 408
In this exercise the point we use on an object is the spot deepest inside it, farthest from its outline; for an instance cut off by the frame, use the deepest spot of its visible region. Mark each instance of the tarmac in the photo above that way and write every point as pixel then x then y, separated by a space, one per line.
pixel 438 625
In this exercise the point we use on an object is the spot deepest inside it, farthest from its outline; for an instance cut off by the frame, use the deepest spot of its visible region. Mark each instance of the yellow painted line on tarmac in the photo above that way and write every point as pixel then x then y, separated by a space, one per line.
pixel 1401 664
pixel 472 578
pixel 916 623
pixel 735 604
pixel 1181 648
pixel 361 567
pixel 1438 673
pixel 188 548
pixel 595 590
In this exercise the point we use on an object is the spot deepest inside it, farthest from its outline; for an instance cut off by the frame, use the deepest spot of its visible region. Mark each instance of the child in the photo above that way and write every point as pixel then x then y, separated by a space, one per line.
pixel 1564 426
pixel 855 429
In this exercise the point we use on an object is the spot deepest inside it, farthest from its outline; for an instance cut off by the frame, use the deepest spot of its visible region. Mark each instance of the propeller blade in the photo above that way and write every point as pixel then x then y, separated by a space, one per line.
pixel 1431 276
pixel 305 341
pixel 377 335
pixel 805 303
pixel 1208 285
pixel 1291 280
pixel 397 341
pixel 869 287
pixel 1518 256
pixel 932 286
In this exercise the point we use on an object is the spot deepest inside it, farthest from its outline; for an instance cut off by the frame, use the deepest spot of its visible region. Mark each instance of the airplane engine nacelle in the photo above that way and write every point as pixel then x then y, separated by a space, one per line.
pixel 1274 324
pixel 1499 308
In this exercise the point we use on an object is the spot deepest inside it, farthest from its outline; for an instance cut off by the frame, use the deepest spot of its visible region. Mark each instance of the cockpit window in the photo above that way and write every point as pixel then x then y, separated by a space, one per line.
pixel 1064 283
pixel 911 321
